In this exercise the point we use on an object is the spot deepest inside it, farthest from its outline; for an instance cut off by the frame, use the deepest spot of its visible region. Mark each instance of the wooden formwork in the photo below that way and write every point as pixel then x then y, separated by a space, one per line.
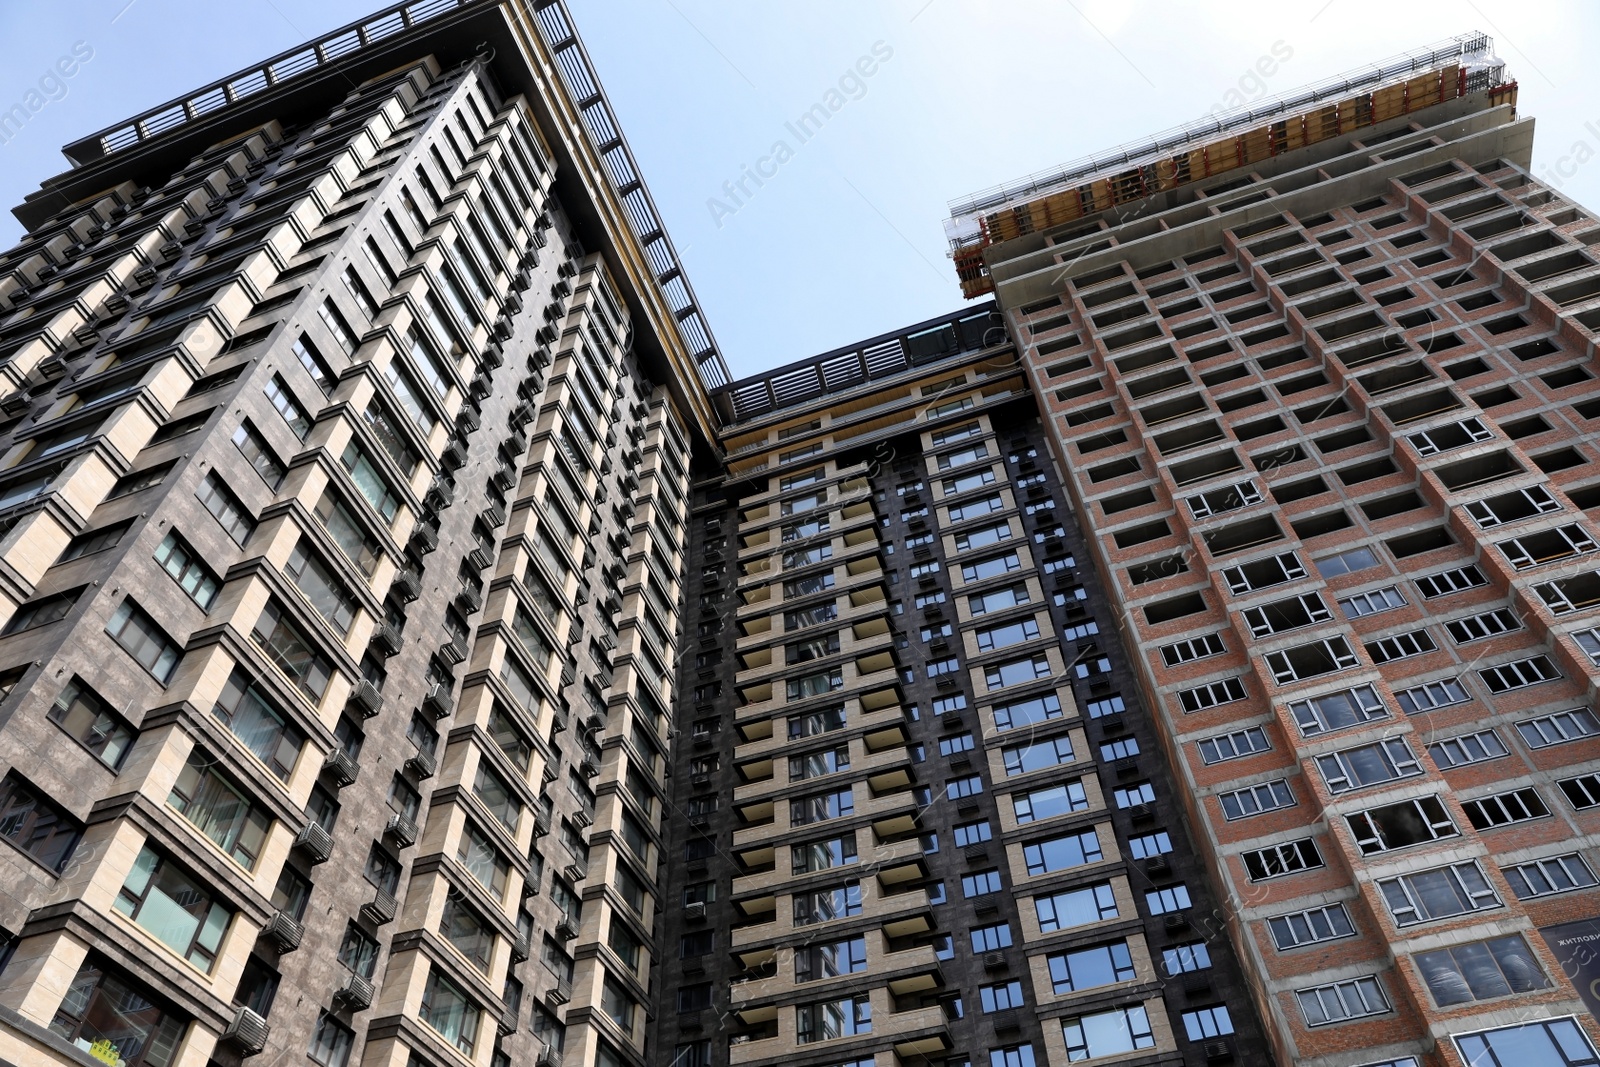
pixel 1227 153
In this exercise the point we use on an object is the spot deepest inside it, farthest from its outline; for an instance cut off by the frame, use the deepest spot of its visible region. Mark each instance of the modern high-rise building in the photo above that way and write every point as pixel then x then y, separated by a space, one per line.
pixel 417 651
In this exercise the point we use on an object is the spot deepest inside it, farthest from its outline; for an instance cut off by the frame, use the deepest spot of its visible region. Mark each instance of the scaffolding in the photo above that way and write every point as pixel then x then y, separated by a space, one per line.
pixel 1463 65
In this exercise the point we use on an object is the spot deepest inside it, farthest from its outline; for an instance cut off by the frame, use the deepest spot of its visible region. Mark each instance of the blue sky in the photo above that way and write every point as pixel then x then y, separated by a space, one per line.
pixel 843 239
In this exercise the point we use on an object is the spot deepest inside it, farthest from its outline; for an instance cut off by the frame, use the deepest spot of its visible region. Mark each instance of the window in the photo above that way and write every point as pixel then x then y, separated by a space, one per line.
pixel 812 685
pixel 1062 853
pixel 1146 845
pixel 814 962
pixel 1021 713
pixel 1016 672
pixel 816 764
pixel 1481 626
pixel 248 440
pixel 1310 660
pixel 479 856
pixel 348 533
pixel 1195 648
pixel 832 1019
pixel 1076 907
pixel 1281 616
pixel 469 933
pixel 969 786
pixel 259 725
pixel 821 807
pixel 87 544
pixel 1138 793
pixel 1437 894
pixel 103 1011
pixel 127 485
pixel 1328 923
pixel 183 564
pixel 225 508
pixel 1395 826
pixel 822 905
pixel 369 480
pixel 174 908
pixel 358 951
pixel 283 401
pixel 1355 559
pixel 1107 1033
pixel 335 322
pixel 990 568
pixel 1263 573
pixel 990 938
pixel 1001 996
pixel 1518 674
pixel 1519 805
pixel 42 612
pixel 1481 970
pixel 982 537
pixel 287 645
pixel 1203 1023
pixel 1011 1055
pixel 91 721
pixel 972 833
pixel 219 809
pixel 1467 748
pixel 1036 755
pixel 1559 728
pixel 1290 857
pixel 1382 761
pixel 1371 602
pixel 447 1008
pixel 1181 959
pixel 1050 801
pixel 1558 1042
pixel 1336 711
pixel 1547 546
pixel 821 855
pixel 980 884
pixel 1583 791
pixel 1437 694
pixel 973 509
pixel 1227 691
pixel 1456 580
pixel 1090 967
pixel 142 639
pixel 1558 874
pixel 1253 800
pixel 1401 646
pixel 35 824
pixel 314 364
pixel 1234 745
pixel 994 637
pixel 325 591
pixel 1339 1001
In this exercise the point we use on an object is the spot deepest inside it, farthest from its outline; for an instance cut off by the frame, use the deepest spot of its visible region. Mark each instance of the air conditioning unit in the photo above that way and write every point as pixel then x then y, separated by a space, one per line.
pixel 422 764
pixel 356 993
pixel 403 829
pixel 380 909
pixel 247 1031
pixel 316 842
pixel 283 930
pixel 339 764
pixel 366 698
pixel 994 961
pixel 695 910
